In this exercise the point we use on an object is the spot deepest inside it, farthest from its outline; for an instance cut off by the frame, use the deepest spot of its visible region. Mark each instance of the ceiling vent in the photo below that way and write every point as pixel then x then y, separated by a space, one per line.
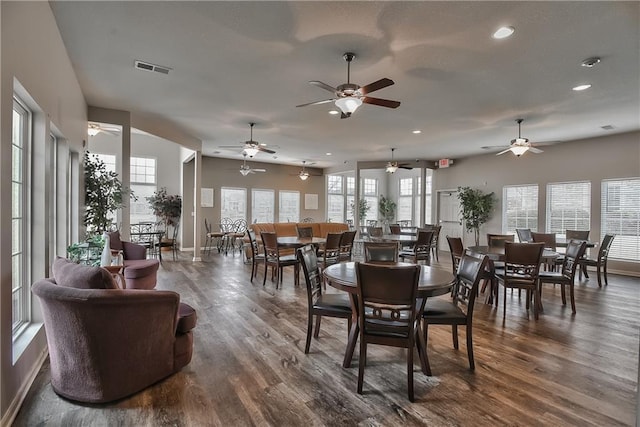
pixel 607 127
pixel 147 66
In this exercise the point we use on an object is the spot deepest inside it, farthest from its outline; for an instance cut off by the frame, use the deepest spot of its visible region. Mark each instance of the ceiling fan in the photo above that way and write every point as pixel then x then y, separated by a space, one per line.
pixel 251 147
pixel 519 145
pixel 394 166
pixel 246 169
pixel 304 174
pixel 349 96
pixel 96 128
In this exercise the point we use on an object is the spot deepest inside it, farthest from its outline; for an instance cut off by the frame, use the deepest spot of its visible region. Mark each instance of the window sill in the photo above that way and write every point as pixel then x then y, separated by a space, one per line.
pixel 22 341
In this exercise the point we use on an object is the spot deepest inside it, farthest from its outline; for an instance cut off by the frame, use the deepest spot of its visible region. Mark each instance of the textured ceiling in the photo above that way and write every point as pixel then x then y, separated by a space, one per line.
pixel 239 62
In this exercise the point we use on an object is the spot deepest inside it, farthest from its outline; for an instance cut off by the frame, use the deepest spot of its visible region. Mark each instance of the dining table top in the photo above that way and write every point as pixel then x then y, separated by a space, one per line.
pixel 562 242
pixel 298 242
pixel 398 237
pixel 433 280
pixel 497 252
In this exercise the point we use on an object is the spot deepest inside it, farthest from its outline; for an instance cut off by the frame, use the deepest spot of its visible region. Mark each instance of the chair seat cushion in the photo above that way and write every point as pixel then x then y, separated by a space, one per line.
pixel 134 269
pixel 68 273
pixel 187 318
pixel 439 309
pixel 334 302
pixel 288 259
pixel 551 276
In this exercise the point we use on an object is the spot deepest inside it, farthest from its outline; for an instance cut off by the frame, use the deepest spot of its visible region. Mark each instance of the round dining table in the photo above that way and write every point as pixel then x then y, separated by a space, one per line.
pixel 298 242
pixel 433 281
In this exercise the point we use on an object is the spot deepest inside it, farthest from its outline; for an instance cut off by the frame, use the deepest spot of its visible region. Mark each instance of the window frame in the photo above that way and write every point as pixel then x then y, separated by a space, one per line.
pixel 619 250
pixel 527 219
pixel 140 210
pixel 255 191
pixel 288 219
pixel 223 202
pixel 560 232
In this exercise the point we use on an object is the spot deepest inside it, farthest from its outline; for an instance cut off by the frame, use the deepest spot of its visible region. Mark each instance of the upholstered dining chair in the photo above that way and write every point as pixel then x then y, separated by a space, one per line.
pixel 458 310
pixel 549 240
pixel 304 231
pixel 256 256
pixel 330 254
pixel 600 262
pixel 318 303
pixel 389 311
pixel 435 240
pixel 577 234
pixel 498 240
pixel 524 235
pixel 374 232
pixel 395 228
pixel 346 245
pixel 521 268
pixel 421 251
pixel 274 259
pixel 566 275
pixel 381 252
pixel 456 249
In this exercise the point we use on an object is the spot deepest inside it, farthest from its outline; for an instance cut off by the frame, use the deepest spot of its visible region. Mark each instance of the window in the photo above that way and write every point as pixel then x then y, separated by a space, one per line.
pixel 262 205
pixel 143 185
pixel 109 161
pixel 370 192
pixel 405 200
pixel 335 198
pixel 351 192
pixel 428 198
pixel 289 207
pixel 519 208
pixel 20 145
pixel 233 203
pixel 621 216
pixel 568 207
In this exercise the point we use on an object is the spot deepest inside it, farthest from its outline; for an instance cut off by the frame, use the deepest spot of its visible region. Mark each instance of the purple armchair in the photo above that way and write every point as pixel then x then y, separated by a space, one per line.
pixel 139 272
pixel 106 344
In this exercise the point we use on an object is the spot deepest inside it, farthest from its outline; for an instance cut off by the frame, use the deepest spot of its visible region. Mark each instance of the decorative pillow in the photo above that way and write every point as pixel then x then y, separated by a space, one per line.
pixel 72 275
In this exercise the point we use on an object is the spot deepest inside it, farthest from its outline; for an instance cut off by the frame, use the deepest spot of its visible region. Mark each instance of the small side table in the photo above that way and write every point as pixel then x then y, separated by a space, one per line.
pixel 117 271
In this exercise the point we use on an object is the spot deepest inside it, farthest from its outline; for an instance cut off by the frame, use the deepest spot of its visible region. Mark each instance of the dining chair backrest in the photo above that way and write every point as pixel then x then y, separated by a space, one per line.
pixel 524 235
pixel 468 277
pixel 395 228
pixel 207 226
pixel 270 245
pixel 374 231
pixel 346 244
pixel 456 249
pixel 577 234
pixel 575 251
pixel 331 253
pixel 372 223
pixel 549 239
pixel 304 231
pixel 226 225
pixel 381 252
pixel 605 246
pixel 522 262
pixel 387 297
pixel 308 220
pixel 498 240
pixel 255 248
pixel 309 260
pixel 405 223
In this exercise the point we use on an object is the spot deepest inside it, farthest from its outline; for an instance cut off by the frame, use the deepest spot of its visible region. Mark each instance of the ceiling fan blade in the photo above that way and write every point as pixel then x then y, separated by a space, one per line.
pixel 259 170
pixel 535 150
pixel 504 151
pixel 323 86
pixel 231 146
pixel 316 102
pixel 381 102
pixel 405 167
pixel 491 147
pixel 380 84
pixel 265 150
pixel 345 116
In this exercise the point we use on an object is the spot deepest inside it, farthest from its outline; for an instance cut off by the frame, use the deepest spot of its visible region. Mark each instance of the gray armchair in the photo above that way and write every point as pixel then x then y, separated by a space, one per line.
pixel 106 344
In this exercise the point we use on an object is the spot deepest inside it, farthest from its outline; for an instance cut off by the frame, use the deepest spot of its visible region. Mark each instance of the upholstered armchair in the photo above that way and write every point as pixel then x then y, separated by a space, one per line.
pixel 106 344
pixel 138 272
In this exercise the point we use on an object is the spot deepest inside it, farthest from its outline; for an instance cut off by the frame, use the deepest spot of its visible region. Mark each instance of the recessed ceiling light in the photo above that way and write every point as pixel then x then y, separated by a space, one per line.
pixel 581 87
pixel 417 131
pixel 328 154
pixel 590 62
pixel 333 112
pixel 503 32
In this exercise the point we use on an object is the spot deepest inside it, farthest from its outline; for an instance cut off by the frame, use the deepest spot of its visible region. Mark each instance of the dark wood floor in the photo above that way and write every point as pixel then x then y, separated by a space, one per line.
pixel 249 366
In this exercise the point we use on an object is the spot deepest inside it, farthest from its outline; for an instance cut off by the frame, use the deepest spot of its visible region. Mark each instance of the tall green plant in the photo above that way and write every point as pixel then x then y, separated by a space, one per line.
pixel 104 194
pixel 363 208
pixel 166 206
pixel 475 208
pixel 387 208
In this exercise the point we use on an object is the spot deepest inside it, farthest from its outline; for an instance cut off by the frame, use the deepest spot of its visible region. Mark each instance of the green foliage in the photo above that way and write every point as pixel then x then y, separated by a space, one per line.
pixel 166 207
pixel 475 208
pixel 104 194
pixel 88 252
pixel 363 208
pixel 387 208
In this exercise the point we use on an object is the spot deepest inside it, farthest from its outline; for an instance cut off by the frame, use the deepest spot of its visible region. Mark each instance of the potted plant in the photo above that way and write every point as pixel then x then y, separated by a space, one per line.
pixel 387 209
pixel 475 208
pixel 166 207
pixel 363 208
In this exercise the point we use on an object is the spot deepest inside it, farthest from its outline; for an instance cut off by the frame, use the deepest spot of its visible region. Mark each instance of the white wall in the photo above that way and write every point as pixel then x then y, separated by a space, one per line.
pixel 33 54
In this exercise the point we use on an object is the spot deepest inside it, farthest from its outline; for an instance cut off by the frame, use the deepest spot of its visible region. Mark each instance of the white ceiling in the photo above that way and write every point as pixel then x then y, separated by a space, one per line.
pixel 238 62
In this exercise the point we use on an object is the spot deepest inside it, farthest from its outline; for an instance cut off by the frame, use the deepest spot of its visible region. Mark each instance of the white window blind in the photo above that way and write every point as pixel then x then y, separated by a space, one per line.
pixel 621 216
pixel 568 206
pixel 262 205
pixel 233 203
pixel 289 210
pixel 335 198
pixel 405 200
pixel 143 185
pixel 519 208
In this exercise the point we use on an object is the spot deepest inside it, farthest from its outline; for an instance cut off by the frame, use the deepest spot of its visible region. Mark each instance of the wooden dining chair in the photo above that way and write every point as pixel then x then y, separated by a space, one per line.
pixel 330 254
pixel 256 256
pixel 381 252
pixel 374 232
pixel 577 235
pixel 600 262
pixel 498 240
pixel 318 303
pixel 421 251
pixel 395 228
pixel 304 231
pixel 456 249
pixel 549 240
pixel 524 235
pixel 566 275
pixel 389 311
pixel 459 309
pixel 521 268
pixel 274 259
pixel 346 245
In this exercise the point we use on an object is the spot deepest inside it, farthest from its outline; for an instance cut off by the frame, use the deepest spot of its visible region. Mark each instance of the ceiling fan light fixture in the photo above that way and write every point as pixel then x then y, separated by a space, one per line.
pixel 503 32
pixel 519 150
pixel 245 172
pixel 93 130
pixel 391 168
pixel 348 104
pixel 250 151
pixel 303 175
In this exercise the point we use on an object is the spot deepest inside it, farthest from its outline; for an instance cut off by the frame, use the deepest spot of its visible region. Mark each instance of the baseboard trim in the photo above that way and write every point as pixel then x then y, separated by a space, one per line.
pixel 13 409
